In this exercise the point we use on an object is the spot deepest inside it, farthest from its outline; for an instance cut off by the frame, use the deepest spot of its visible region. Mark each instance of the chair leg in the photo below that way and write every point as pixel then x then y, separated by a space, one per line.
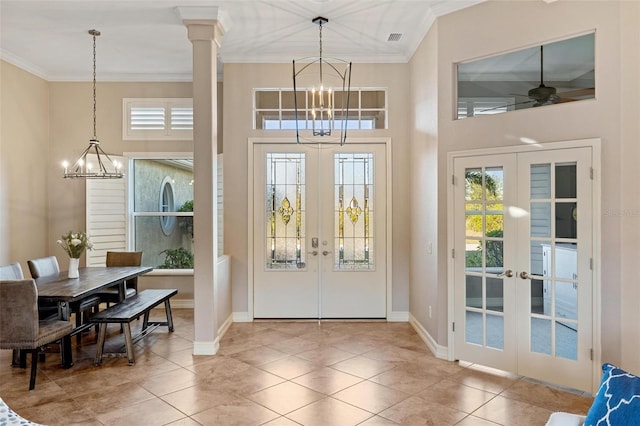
pixel 15 358
pixel 34 369
pixel 23 358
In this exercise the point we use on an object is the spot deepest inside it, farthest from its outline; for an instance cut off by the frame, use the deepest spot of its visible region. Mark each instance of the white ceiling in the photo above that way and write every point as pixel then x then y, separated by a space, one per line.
pixel 145 40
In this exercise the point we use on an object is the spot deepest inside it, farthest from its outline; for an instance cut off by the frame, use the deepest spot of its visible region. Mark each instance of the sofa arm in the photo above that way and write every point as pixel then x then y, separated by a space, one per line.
pixel 565 419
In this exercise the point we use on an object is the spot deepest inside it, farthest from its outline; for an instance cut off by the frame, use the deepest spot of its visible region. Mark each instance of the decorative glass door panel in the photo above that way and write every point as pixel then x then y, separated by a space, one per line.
pixel 354 211
pixel 285 211
pixel 319 245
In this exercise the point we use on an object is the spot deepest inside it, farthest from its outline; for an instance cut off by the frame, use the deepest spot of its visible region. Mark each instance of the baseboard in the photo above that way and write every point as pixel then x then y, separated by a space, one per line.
pixel 224 327
pixel 437 350
pixel 398 316
pixel 181 304
pixel 242 317
pixel 206 348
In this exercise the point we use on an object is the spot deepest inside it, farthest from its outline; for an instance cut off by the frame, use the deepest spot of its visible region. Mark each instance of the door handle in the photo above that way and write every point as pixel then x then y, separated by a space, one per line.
pixel 325 252
pixel 506 273
pixel 525 276
pixel 314 253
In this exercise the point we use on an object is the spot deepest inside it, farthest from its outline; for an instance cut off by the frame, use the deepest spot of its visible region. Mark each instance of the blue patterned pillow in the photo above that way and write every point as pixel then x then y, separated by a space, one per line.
pixel 617 401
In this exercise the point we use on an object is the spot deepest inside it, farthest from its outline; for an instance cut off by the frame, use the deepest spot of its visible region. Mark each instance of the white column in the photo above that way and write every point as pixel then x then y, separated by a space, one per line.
pixel 205 35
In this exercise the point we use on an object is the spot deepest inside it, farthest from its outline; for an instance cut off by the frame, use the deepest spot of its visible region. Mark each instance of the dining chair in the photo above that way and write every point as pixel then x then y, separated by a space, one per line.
pixel 121 258
pixel 12 271
pixel 48 266
pixel 20 325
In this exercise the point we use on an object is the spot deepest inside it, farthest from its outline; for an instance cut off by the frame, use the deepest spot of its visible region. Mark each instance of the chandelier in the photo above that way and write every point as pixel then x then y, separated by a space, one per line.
pixel 321 91
pixel 82 168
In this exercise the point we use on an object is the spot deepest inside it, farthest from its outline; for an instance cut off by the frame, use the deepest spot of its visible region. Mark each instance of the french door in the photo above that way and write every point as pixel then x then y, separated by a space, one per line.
pixel 319 221
pixel 522 267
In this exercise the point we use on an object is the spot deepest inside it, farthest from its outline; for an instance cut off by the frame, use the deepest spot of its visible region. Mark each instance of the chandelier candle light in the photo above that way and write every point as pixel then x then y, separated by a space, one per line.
pixel 106 168
pixel 321 91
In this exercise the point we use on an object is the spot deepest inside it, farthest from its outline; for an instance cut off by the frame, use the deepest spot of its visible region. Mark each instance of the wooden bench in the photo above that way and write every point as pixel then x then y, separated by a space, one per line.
pixel 128 310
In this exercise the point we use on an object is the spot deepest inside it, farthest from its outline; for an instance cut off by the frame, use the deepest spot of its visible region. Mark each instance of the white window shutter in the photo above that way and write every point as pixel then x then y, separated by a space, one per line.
pixel 106 208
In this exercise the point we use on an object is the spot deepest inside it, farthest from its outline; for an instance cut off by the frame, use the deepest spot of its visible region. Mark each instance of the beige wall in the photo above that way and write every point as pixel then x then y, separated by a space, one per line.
pixel 239 81
pixel 24 162
pixel 494 27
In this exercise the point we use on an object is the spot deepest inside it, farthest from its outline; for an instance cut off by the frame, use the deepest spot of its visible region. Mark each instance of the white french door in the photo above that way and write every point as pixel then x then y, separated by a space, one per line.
pixel 319 223
pixel 523 282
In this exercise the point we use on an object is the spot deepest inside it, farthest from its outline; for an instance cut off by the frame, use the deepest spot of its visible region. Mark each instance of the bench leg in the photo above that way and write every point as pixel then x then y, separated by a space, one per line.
pixel 129 343
pixel 167 308
pixel 102 334
pixel 145 320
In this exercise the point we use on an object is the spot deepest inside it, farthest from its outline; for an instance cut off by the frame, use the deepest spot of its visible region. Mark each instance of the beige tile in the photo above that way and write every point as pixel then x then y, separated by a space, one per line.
pixel 61 412
pixel 378 421
pixel 476 421
pixel 329 411
pixel 485 379
pixel 456 395
pixel 171 381
pixel 293 345
pixel 406 380
pixel 370 396
pixel 548 397
pixel 258 356
pixel 326 355
pixel 240 413
pixel 511 412
pixel 285 397
pixel 111 398
pixel 186 421
pixel 281 421
pixel 199 398
pixel 363 367
pixel 152 412
pixel 416 411
pixel 289 367
pixel 248 381
pixel 327 380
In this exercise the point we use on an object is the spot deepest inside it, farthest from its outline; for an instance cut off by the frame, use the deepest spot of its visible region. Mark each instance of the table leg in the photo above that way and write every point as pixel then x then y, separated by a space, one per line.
pixel 65 347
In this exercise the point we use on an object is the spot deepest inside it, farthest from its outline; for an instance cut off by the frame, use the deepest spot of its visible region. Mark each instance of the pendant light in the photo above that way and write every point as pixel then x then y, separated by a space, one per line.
pixel 106 168
pixel 321 88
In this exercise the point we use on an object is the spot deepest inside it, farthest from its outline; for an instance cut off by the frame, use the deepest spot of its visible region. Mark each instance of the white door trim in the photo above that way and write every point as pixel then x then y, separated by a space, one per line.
pixel 595 145
pixel 250 207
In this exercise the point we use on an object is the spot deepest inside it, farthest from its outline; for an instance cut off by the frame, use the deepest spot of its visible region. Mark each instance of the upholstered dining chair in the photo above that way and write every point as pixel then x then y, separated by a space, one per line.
pixel 20 326
pixel 121 258
pixel 48 266
pixel 12 271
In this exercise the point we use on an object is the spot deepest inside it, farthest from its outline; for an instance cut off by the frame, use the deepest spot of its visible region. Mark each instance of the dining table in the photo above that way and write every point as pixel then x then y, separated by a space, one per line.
pixel 64 290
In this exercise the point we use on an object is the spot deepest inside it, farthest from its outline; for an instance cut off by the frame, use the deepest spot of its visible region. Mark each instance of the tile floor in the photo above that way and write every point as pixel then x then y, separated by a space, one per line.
pixel 279 373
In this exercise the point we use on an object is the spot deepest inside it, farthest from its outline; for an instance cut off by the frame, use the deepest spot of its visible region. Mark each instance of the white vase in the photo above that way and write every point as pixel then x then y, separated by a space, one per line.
pixel 73 267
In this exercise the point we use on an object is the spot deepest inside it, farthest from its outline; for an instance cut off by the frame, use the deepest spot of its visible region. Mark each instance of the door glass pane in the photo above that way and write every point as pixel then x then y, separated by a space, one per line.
pixel 538 301
pixel 566 261
pixel 473 327
pixel 473 256
pixel 541 335
pixel 494 257
pixel 473 184
pixel 495 331
pixel 354 211
pixel 540 219
pixel 540 181
pixel 494 183
pixel 285 211
pixel 566 296
pixel 474 225
pixel 540 261
pixel 566 220
pixel 566 180
pixel 495 294
pixel 567 339
pixel 473 291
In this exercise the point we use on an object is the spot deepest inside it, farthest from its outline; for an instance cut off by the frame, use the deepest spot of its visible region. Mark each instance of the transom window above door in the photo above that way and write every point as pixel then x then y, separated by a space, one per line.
pixel 274 109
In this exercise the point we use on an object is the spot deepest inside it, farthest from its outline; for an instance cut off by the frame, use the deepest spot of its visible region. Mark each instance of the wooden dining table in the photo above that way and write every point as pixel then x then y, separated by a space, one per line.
pixel 63 290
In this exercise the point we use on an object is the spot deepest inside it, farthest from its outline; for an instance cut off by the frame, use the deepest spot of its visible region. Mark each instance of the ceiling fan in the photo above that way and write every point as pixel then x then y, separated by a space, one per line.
pixel 546 95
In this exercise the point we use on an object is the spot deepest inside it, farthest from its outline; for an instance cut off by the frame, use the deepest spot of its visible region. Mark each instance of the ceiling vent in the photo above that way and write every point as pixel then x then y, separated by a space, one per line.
pixel 394 37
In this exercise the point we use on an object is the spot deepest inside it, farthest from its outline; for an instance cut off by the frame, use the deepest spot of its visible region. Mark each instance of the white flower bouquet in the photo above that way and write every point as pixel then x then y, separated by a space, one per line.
pixel 75 243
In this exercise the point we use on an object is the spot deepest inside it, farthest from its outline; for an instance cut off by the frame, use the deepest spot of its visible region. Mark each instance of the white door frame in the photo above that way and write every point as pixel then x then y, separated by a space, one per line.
pixel 595 145
pixel 250 209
